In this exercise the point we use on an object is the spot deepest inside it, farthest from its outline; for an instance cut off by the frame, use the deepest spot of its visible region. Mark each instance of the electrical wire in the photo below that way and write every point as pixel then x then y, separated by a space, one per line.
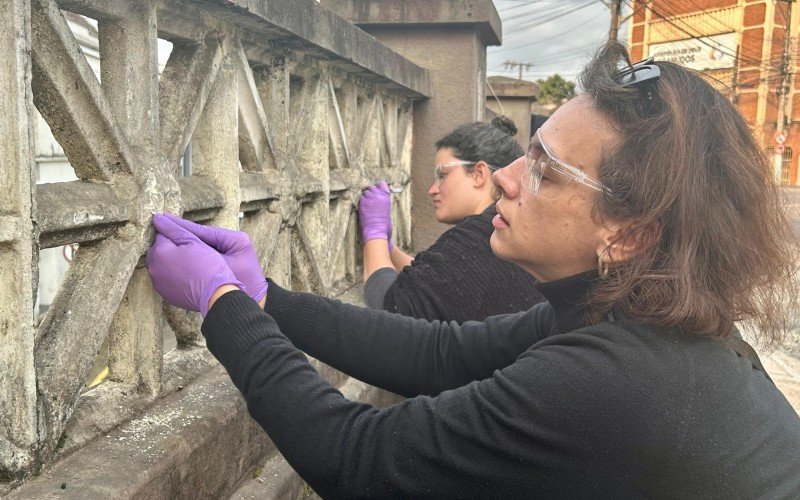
pixel 526 25
pixel 543 40
pixel 698 37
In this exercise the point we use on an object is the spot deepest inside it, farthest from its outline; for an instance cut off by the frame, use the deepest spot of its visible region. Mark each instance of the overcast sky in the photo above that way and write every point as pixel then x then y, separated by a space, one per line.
pixel 556 36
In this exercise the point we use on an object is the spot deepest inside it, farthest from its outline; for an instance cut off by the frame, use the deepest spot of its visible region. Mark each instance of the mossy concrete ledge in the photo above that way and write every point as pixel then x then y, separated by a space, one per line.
pixel 197 443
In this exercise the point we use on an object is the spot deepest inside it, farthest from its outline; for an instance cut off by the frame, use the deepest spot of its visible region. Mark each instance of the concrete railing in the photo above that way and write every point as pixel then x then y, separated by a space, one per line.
pixel 290 111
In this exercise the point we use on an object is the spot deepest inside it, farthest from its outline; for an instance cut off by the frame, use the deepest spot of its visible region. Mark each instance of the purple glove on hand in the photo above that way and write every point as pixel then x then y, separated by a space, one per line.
pixel 375 213
pixel 185 271
pixel 235 248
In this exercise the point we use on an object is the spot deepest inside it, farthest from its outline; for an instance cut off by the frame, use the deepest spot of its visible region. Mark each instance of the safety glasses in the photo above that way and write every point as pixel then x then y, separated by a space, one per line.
pixel 543 166
pixel 440 169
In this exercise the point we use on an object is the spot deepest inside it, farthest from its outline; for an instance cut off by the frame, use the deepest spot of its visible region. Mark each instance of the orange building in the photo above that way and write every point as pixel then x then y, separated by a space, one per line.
pixel 739 45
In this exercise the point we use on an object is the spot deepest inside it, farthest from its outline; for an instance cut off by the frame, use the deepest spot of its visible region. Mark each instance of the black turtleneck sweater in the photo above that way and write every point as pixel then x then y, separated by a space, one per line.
pixel 531 404
pixel 458 278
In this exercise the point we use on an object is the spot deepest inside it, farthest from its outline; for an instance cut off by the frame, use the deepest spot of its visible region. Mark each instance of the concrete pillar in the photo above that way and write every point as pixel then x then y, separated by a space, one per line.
pixel 449 39
pixel 513 97
pixel 18 245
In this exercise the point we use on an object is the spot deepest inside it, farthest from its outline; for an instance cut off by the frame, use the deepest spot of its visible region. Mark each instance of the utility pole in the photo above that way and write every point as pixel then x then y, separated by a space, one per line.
pixel 783 94
pixel 735 79
pixel 517 64
pixel 615 6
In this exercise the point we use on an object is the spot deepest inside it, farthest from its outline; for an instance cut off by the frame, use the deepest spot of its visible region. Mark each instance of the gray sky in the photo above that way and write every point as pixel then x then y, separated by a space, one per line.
pixel 557 36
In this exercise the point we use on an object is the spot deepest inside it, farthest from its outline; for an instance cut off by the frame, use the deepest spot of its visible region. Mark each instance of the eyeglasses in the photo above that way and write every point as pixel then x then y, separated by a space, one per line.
pixel 541 165
pixel 439 168
pixel 439 172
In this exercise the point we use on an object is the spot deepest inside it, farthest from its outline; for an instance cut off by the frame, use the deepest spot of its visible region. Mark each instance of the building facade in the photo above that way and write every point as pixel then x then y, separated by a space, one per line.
pixel 741 47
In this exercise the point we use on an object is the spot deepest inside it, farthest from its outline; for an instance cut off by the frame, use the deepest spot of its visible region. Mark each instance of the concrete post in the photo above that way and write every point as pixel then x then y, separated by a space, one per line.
pixel 18 422
pixel 513 97
pixel 449 39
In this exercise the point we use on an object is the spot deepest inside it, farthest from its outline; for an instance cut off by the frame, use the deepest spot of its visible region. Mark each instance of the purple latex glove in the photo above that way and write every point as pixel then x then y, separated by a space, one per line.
pixel 235 248
pixel 186 271
pixel 375 213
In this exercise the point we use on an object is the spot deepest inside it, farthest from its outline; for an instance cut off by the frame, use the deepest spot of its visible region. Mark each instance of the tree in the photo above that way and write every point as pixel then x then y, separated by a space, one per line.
pixel 555 89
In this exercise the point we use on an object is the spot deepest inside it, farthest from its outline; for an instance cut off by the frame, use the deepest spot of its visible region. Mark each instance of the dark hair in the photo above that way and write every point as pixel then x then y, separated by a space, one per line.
pixel 697 196
pixel 492 143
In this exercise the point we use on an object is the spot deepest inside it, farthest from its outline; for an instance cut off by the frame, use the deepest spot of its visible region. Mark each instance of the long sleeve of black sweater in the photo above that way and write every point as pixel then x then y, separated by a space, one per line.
pixel 348 449
pixel 601 411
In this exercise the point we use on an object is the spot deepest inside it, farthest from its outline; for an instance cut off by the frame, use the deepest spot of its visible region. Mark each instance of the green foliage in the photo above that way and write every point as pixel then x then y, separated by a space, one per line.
pixel 555 89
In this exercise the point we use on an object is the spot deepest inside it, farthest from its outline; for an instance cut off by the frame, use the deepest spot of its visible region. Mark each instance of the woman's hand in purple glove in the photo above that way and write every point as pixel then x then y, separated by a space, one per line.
pixel 375 213
pixel 235 248
pixel 186 271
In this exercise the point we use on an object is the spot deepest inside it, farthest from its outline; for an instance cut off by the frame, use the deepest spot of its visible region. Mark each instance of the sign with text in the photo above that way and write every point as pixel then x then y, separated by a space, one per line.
pixel 699 54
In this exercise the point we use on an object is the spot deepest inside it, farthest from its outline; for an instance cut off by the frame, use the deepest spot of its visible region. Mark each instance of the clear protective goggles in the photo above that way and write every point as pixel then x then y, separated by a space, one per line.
pixel 440 169
pixel 541 164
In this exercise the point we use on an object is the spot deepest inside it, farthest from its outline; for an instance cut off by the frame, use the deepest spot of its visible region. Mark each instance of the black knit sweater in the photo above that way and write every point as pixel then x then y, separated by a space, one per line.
pixel 459 278
pixel 535 404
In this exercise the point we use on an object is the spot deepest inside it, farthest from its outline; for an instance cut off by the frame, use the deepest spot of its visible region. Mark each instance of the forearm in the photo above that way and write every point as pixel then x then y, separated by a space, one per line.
pixel 376 286
pixel 400 259
pixel 397 353
pixel 376 256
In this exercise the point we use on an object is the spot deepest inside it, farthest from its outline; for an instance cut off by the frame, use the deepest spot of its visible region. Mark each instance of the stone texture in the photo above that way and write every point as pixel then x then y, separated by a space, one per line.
pixel 18 417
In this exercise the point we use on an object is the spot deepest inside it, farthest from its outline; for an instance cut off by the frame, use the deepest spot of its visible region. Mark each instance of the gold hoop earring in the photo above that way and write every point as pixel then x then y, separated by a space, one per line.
pixel 602 267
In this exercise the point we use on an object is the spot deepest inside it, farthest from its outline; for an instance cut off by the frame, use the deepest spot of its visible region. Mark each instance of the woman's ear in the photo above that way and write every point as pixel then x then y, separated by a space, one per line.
pixel 481 175
pixel 619 243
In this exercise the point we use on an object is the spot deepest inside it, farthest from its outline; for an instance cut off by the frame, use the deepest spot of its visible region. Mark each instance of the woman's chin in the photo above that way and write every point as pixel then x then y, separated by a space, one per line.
pixel 445 218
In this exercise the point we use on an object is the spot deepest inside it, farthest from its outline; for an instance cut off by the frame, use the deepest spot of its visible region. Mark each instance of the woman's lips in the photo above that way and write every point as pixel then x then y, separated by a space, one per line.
pixel 499 222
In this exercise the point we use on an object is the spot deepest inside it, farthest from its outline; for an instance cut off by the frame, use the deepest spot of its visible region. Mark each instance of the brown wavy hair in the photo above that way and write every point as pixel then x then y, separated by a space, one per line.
pixel 697 198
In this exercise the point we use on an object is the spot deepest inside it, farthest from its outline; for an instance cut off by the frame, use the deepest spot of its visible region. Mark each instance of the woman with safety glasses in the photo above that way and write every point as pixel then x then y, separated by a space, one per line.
pixel 649 215
pixel 458 278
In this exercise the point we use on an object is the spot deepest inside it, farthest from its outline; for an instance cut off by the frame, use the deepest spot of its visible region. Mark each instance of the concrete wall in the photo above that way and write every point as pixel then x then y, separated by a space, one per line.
pixel 290 110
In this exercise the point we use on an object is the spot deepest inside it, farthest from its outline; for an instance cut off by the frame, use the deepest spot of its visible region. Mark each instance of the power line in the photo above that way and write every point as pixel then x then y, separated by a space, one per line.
pixel 698 37
pixel 565 32
pixel 532 23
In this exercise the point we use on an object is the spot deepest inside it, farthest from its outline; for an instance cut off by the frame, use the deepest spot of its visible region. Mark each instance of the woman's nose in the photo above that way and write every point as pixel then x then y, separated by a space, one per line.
pixel 434 189
pixel 507 179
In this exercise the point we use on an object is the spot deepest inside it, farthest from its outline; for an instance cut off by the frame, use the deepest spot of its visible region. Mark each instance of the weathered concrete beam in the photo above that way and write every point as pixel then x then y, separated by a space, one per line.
pixel 478 14
pixel 258 187
pixel 302 24
pixel 256 149
pixel 93 286
pixel 78 211
pixel 307 22
pixel 69 97
pixel 199 193
pixel 184 87
pixel 215 144
pixel 18 273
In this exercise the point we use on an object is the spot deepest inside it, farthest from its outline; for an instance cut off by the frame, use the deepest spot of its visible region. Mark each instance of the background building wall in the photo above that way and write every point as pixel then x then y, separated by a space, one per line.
pixel 758 34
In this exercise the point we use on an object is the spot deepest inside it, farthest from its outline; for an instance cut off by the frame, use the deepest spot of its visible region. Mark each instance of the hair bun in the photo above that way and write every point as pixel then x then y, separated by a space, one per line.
pixel 506 124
